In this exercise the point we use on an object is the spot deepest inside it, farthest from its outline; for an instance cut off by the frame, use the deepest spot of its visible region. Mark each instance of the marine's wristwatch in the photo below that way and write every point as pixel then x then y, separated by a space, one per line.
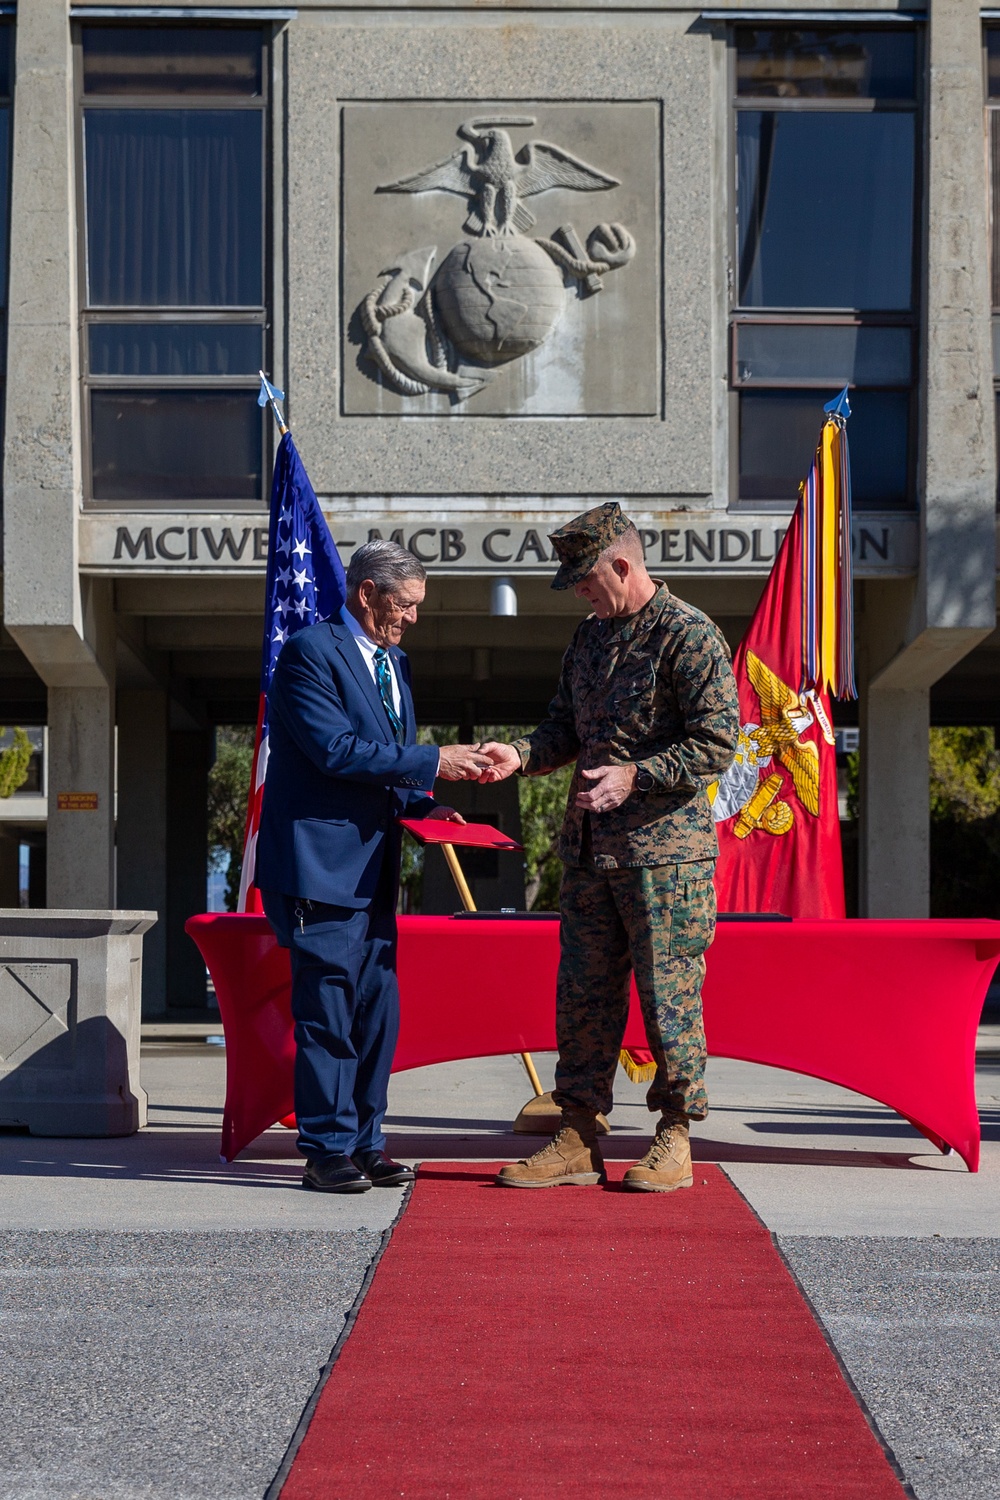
pixel 643 780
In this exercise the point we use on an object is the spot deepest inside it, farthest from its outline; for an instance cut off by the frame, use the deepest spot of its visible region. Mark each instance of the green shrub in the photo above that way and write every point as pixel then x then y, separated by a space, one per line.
pixel 228 789
pixel 14 763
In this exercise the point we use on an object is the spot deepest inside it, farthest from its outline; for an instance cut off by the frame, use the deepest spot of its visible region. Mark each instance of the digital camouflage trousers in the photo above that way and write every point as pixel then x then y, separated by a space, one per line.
pixel 656 923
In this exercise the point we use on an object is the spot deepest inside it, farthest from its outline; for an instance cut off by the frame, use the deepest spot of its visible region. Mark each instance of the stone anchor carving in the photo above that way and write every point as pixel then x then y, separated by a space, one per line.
pixel 497 294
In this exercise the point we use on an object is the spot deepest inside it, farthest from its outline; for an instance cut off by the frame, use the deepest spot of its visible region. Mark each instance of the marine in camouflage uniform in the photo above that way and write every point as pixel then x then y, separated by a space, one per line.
pixel 653 689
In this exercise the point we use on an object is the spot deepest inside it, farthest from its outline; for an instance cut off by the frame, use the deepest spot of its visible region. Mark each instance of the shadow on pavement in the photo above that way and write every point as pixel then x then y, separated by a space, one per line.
pixel 510 1147
pixel 447 1122
pixel 168 1156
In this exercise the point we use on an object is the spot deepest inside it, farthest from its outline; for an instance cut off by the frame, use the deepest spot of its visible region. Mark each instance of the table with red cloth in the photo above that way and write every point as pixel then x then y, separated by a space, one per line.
pixel 886 1008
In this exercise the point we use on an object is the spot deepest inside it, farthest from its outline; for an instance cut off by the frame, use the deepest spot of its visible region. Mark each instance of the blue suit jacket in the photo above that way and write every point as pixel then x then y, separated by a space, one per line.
pixel 336 778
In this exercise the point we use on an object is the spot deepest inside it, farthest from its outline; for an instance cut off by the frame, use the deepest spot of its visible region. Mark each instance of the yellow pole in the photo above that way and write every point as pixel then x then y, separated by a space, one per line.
pixel 458 876
pixel 529 1068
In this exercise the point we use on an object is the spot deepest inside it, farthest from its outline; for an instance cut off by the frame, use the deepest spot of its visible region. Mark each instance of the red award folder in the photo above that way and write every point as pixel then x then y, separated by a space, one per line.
pixel 472 835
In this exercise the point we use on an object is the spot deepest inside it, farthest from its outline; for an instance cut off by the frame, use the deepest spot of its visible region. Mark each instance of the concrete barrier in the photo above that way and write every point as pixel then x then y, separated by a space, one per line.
pixel 70 1007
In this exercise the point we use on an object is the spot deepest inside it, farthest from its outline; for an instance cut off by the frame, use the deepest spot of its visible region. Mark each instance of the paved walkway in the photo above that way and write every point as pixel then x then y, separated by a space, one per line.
pixel 164 1316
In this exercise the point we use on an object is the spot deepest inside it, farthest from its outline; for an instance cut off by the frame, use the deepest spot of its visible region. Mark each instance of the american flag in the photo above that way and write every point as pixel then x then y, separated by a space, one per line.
pixel 305 586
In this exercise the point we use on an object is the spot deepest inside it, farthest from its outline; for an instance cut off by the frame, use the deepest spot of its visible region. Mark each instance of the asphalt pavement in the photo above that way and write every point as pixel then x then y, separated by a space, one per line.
pixel 164 1316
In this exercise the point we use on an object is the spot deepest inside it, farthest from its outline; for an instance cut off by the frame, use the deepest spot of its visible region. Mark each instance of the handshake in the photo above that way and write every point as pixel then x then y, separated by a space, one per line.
pixel 482 763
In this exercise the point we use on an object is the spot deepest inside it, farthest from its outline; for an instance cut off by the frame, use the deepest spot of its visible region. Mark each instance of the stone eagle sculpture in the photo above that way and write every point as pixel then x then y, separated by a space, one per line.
pixel 488 172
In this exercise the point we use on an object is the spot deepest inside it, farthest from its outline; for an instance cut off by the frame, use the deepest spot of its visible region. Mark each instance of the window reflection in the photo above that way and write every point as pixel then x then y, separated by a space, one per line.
pixel 6 60
pixel 789 63
pixel 175 349
pixel 992 62
pixel 839 354
pixel 174 207
pixel 175 445
pixel 825 217
pixel 175 213
pixel 4 196
pixel 778 431
pixel 825 212
pixel 172 60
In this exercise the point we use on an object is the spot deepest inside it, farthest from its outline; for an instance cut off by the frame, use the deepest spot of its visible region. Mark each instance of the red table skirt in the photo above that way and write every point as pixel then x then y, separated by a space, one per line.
pixel 886 1008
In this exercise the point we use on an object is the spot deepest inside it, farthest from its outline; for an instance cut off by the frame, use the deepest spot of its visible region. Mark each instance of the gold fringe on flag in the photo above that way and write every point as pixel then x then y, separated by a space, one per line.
pixel 637 1072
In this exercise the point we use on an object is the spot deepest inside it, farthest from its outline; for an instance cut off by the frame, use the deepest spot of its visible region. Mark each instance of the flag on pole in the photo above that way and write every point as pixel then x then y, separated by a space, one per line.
pixel 776 811
pixel 305 586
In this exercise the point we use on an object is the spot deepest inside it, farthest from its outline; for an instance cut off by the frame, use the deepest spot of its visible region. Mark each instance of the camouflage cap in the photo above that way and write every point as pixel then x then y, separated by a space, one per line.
pixel 581 541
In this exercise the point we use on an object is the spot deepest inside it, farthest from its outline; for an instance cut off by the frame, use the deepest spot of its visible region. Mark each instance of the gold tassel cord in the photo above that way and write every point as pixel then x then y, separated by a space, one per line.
pixel 637 1072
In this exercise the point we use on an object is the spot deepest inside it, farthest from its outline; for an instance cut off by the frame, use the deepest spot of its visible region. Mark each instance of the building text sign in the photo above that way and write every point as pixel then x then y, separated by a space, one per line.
pixel 681 542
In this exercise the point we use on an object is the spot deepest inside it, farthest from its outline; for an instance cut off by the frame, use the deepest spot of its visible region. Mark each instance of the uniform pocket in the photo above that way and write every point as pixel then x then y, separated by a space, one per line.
pixel 634 684
pixel 692 924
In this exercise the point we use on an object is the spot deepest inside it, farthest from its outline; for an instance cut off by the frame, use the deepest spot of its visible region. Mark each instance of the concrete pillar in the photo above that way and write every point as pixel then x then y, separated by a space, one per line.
pixel 80 843
pixel 958 572
pixel 895 814
pixel 141 834
pixel 64 627
pixel 43 609
pixel 913 633
pixel 189 758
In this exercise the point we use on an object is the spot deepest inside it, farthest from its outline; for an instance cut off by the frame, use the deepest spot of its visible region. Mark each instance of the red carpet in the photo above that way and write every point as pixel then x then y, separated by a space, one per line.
pixel 585 1343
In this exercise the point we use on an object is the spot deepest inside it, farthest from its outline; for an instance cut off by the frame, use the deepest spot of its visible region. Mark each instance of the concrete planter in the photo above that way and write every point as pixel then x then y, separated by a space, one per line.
pixel 70 1002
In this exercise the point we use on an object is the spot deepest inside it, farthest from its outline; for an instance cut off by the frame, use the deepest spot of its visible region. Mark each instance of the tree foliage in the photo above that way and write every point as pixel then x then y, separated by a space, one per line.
pixel 543 802
pixel 965 822
pixel 14 762
pixel 228 789
pixel 965 774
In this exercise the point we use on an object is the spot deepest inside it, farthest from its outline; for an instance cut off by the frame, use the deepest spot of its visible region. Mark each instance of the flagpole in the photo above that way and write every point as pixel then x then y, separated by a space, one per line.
pixel 249 898
pixel 270 396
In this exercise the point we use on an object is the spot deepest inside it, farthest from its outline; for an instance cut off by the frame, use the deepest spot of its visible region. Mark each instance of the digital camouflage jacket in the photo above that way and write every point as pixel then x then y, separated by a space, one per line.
pixel 655 689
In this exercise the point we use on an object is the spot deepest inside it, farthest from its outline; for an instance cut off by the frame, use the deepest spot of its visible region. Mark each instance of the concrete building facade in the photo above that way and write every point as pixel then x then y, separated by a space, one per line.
pixel 506 261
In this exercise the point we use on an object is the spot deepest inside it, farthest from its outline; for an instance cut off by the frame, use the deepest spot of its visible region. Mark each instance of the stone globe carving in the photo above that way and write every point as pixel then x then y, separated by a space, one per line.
pixel 498 298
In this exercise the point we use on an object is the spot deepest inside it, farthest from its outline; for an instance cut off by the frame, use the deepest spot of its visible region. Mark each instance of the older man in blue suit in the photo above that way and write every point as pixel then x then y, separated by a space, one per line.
pixel 344 765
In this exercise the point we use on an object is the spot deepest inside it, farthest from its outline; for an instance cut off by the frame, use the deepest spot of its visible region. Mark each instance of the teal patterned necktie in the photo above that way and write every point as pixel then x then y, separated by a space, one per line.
pixel 383 676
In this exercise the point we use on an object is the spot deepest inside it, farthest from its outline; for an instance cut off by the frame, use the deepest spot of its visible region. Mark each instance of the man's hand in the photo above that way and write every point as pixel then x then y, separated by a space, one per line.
pixel 446 815
pixel 503 761
pixel 609 786
pixel 462 763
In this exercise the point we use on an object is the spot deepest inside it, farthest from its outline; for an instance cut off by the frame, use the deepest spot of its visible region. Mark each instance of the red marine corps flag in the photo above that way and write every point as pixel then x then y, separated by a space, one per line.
pixel 776 807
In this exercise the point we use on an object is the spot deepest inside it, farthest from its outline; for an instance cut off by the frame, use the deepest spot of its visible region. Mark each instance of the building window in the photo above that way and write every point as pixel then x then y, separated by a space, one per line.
pixel 174 125
pixel 824 285
pixel 991 60
pixel 6 104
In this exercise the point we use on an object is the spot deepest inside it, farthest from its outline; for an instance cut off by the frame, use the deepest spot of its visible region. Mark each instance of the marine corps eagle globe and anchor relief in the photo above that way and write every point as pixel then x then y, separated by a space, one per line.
pixel 499 292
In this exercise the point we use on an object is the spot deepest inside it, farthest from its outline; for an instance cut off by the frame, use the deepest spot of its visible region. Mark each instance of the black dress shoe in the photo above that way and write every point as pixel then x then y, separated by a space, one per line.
pixel 383 1171
pixel 334 1174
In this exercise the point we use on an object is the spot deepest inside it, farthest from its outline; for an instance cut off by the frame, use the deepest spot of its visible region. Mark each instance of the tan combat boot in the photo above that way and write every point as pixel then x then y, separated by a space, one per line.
pixel 667 1163
pixel 572 1159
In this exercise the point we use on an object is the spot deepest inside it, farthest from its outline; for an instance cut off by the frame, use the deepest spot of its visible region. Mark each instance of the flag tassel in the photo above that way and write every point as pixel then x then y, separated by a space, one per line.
pixel 638 1070
pixel 827 567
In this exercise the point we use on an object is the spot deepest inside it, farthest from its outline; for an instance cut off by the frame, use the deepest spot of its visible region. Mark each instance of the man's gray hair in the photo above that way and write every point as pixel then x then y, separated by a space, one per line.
pixel 387 564
pixel 628 544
